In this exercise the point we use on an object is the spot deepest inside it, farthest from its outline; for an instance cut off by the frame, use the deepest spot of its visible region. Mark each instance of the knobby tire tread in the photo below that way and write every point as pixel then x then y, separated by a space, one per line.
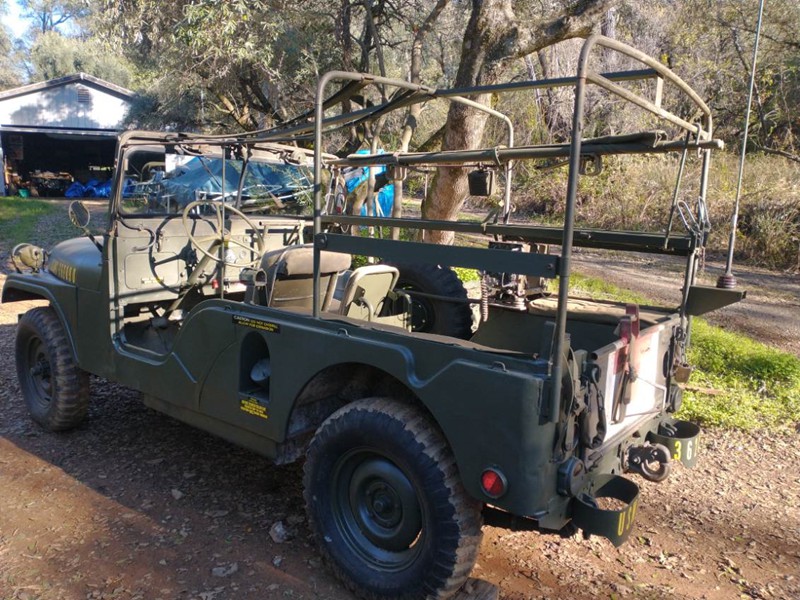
pixel 451 571
pixel 70 385
pixel 454 318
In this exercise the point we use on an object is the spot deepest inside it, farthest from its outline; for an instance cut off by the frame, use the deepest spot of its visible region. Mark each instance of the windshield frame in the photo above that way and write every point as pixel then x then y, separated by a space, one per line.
pixel 247 159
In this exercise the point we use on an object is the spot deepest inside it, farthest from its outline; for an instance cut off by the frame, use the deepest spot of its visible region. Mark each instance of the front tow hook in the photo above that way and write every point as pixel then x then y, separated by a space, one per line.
pixel 651 461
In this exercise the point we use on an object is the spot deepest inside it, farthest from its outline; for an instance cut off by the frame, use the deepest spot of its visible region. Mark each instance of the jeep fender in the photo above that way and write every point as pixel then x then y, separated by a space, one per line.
pixel 44 286
pixel 477 422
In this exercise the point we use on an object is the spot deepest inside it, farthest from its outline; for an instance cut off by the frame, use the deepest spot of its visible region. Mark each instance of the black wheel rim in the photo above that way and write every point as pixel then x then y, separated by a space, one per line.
pixel 38 372
pixel 377 510
pixel 422 314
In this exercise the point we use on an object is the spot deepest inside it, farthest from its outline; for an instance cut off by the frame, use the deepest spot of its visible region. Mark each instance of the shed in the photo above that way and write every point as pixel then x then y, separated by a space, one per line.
pixel 60 129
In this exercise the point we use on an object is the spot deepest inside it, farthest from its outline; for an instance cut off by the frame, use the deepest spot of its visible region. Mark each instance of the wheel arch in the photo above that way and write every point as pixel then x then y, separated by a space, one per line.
pixel 338 385
pixel 17 290
pixel 14 294
pixel 481 426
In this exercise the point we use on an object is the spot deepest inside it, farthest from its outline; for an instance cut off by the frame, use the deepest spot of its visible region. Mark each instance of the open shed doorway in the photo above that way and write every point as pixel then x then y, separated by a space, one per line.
pixel 45 164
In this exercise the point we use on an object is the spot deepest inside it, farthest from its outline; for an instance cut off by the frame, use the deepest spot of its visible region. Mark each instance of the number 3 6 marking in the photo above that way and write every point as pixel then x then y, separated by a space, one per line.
pixel 690 450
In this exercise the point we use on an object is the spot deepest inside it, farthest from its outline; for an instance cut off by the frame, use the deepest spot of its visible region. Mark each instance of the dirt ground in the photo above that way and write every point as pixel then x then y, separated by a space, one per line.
pixel 135 505
pixel 769 313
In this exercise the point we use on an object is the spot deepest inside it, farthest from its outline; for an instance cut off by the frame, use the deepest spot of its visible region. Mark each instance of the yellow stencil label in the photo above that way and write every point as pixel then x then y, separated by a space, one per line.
pixel 253 407
pixel 259 324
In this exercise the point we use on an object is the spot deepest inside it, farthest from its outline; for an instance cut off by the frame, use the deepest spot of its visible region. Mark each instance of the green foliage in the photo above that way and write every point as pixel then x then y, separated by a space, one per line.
pixel 466 275
pixel 9 75
pixel 740 382
pixel 712 45
pixel 718 351
pixel 598 288
pixel 634 193
pixel 48 15
pixel 733 403
pixel 222 65
pixel 54 55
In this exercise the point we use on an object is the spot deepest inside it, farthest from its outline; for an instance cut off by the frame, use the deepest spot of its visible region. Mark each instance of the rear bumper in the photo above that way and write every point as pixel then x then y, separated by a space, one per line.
pixel 608 504
pixel 600 501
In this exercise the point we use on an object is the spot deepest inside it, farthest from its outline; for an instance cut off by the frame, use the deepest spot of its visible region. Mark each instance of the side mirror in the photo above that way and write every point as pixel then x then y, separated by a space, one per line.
pixel 79 214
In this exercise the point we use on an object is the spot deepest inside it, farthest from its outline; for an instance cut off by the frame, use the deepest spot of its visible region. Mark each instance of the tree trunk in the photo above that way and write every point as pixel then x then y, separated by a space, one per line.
pixel 465 125
pixel 492 39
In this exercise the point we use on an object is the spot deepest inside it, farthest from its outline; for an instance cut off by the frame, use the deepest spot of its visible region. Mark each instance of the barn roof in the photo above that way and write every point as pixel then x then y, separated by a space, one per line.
pixel 84 78
pixel 72 103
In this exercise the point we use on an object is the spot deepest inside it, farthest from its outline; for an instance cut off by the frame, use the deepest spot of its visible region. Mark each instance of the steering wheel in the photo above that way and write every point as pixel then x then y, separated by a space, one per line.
pixel 225 237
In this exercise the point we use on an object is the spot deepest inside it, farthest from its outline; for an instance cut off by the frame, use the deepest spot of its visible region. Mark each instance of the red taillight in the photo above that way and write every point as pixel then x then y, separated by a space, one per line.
pixel 493 483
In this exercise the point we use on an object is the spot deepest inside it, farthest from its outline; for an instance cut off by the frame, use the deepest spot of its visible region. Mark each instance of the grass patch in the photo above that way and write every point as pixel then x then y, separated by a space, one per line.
pixel 745 384
pixel 18 219
pixel 466 275
pixel 755 386
pixel 598 288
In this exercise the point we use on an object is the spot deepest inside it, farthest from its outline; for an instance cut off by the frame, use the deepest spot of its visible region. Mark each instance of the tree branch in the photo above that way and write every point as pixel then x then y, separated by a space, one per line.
pixel 776 152
pixel 578 20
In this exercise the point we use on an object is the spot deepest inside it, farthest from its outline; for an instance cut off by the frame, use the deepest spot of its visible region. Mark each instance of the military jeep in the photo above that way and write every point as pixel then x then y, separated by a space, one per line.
pixel 222 288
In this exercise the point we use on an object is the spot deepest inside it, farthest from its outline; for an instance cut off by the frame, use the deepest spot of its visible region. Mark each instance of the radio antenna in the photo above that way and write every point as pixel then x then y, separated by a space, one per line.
pixel 728 281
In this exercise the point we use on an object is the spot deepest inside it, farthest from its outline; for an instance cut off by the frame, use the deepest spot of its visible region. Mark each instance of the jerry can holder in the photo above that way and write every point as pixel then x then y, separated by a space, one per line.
pixel 615 524
pixel 681 438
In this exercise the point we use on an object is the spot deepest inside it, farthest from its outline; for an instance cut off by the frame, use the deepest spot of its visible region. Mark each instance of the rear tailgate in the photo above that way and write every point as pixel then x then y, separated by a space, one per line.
pixel 633 377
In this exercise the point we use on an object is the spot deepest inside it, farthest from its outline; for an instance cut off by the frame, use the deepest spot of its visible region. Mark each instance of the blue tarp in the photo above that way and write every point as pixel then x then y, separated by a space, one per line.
pixel 262 179
pixel 75 190
pixel 92 189
pixel 385 200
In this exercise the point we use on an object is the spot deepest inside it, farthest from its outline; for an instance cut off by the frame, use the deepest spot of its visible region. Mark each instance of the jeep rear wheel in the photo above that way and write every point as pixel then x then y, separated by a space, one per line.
pixel 386 504
pixel 55 389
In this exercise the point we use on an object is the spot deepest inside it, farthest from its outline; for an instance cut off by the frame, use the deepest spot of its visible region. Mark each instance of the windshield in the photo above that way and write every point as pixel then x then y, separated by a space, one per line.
pixel 158 182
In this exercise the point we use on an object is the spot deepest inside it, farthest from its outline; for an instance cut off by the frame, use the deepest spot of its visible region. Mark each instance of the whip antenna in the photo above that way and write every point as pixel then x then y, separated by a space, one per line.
pixel 728 280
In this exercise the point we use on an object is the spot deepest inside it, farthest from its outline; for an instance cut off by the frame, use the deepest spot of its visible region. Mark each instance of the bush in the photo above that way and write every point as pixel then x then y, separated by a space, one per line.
pixel 634 193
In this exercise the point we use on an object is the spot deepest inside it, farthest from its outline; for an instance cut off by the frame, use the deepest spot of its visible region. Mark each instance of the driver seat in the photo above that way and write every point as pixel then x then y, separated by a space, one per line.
pixel 290 276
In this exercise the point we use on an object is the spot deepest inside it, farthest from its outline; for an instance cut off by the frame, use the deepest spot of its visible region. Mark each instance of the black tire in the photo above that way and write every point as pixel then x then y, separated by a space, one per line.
pixel 430 315
pixel 386 504
pixel 55 389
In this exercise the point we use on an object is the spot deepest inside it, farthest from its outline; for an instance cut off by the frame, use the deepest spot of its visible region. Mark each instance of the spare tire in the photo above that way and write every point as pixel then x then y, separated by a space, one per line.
pixel 436 315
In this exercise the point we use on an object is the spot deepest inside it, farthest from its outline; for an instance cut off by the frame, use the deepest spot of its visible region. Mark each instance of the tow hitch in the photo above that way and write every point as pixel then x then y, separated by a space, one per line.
pixel 651 461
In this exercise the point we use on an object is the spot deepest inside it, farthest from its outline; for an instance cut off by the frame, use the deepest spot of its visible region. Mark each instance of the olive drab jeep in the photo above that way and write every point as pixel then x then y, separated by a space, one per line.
pixel 236 287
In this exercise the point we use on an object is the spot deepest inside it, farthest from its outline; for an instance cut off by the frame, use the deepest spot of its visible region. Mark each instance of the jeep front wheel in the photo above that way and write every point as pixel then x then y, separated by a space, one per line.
pixel 55 389
pixel 386 504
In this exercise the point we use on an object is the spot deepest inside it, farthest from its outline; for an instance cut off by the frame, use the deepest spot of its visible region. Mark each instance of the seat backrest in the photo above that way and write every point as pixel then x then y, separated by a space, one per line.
pixel 366 290
pixel 290 276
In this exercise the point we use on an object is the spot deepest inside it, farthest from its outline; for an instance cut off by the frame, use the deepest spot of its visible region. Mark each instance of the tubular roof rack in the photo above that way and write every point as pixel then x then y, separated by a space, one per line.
pixel 302 126
pixel 638 143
